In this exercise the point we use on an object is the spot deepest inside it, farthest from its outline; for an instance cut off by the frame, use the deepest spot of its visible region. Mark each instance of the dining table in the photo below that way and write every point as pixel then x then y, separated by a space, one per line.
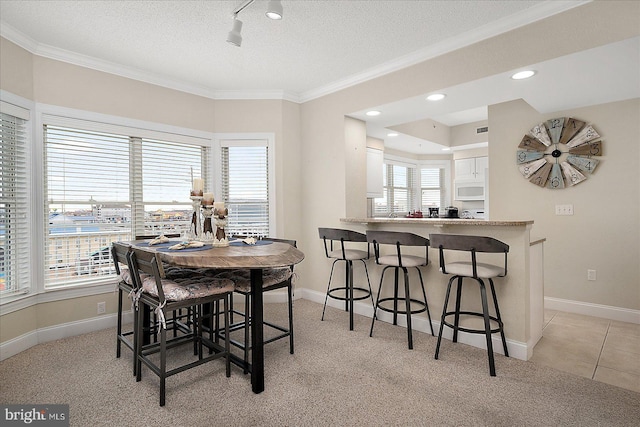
pixel 264 254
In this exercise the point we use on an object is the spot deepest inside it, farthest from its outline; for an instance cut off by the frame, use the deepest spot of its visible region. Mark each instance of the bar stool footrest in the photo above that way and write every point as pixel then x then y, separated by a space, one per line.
pixel 422 309
pixel 366 295
pixel 469 330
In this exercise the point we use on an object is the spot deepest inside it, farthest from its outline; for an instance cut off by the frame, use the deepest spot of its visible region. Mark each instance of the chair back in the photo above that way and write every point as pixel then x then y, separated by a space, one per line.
pixel 397 239
pixel 339 235
pixel 471 244
pixel 146 262
pixel 120 255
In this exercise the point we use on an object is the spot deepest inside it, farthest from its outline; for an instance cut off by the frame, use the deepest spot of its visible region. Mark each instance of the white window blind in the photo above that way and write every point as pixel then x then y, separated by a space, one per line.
pixel 399 194
pixel 102 187
pixel 431 186
pixel 245 186
pixel 14 194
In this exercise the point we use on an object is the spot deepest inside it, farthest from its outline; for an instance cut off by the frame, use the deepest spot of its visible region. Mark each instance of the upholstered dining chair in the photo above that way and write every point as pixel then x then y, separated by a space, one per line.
pixel 126 286
pixel 162 296
pixel 400 261
pixel 470 268
pixel 272 279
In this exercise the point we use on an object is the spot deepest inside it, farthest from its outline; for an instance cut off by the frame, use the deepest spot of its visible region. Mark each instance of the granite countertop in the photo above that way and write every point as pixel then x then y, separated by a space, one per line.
pixel 436 221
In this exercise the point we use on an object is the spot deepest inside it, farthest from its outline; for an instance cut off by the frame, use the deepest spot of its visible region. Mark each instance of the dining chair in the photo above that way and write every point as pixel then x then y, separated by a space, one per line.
pixel 400 261
pixel 343 253
pixel 272 279
pixel 470 268
pixel 162 296
pixel 125 286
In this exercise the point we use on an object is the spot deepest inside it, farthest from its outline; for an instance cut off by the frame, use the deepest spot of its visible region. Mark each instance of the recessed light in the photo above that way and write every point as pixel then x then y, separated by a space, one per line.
pixel 373 113
pixel 523 75
pixel 446 149
pixel 436 96
pixel 392 134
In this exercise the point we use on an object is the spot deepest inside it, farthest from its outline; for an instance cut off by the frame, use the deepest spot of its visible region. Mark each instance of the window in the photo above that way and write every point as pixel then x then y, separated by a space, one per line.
pixel 102 186
pixel 431 188
pixel 409 187
pixel 14 195
pixel 245 186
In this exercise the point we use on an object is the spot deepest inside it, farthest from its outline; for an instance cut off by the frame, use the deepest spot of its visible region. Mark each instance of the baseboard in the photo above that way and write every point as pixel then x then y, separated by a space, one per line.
pixel 517 349
pixel 596 310
pixel 23 342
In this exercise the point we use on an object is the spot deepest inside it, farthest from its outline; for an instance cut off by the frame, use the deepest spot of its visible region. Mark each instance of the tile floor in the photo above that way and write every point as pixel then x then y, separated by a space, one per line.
pixel 601 349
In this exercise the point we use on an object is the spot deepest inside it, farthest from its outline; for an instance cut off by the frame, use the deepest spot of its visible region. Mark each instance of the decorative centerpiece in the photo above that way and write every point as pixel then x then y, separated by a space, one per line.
pixel 220 218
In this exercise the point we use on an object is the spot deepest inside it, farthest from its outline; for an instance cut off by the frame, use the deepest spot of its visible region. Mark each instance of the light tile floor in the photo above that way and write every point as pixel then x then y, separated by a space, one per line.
pixel 603 350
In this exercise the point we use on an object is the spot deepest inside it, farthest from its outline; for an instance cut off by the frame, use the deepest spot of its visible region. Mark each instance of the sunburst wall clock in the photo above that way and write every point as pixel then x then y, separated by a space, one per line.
pixel 559 152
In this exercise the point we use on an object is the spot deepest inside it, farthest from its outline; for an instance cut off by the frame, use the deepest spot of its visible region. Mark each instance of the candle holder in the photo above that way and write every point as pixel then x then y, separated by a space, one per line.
pixel 220 219
pixel 207 229
pixel 196 225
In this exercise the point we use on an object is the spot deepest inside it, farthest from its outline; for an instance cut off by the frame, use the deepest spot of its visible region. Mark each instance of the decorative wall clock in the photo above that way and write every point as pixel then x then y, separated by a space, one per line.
pixel 559 152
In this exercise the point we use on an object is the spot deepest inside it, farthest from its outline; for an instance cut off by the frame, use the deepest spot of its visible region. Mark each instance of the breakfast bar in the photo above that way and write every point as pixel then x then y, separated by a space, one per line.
pixel 520 293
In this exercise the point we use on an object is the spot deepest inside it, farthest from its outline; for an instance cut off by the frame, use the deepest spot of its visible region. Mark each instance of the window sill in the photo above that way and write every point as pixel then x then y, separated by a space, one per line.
pixel 57 294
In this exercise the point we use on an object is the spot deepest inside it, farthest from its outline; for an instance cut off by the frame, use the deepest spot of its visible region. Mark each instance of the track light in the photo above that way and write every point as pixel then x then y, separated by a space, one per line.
pixel 234 37
pixel 274 9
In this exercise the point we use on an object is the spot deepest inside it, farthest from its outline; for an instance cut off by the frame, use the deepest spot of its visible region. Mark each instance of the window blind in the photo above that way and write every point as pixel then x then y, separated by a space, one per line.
pixel 102 187
pixel 245 187
pixel 431 183
pixel 399 193
pixel 14 194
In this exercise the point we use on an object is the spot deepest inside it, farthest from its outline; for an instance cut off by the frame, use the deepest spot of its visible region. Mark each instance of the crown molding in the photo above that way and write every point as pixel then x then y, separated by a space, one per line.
pixel 533 14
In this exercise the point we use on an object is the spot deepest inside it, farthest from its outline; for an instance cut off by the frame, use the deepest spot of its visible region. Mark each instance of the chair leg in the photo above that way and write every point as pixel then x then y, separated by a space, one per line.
pixel 195 317
pixel 290 302
pixel 375 307
pixel 247 316
pixel 407 298
pixel 456 322
pixel 395 296
pixel 227 308
pixel 163 364
pixel 350 292
pixel 231 304
pixel 426 303
pixel 119 326
pixel 328 288
pixel 366 272
pixel 487 327
pixel 138 347
pixel 442 317
pixel 495 304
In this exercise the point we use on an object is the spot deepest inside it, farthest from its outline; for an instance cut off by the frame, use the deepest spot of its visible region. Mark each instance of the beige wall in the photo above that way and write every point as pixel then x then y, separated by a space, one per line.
pixel 604 232
pixel 317 182
pixel 467 134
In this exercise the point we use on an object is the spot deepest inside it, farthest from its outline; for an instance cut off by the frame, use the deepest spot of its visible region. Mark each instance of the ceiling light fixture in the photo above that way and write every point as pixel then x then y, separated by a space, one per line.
pixel 392 134
pixel 373 113
pixel 436 96
pixel 523 75
pixel 274 11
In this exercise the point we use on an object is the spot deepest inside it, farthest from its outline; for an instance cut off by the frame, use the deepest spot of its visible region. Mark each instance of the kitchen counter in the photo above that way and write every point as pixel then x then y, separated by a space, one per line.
pixel 436 221
pixel 520 293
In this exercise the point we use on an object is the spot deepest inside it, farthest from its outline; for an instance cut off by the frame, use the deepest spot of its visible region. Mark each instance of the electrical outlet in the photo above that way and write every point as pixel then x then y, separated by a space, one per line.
pixel 102 307
pixel 564 209
pixel 591 275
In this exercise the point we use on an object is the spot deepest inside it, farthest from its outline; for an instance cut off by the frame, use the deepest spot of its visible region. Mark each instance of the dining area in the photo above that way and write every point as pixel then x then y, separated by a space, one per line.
pixel 181 294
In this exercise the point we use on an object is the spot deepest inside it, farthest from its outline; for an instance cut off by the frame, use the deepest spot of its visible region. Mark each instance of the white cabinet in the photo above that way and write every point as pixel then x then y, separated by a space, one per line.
pixel 471 169
pixel 375 160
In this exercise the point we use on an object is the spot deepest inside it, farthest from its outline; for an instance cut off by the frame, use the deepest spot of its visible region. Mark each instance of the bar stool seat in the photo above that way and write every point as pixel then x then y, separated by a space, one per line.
pixel 346 255
pixel 477 271
pixel 400 261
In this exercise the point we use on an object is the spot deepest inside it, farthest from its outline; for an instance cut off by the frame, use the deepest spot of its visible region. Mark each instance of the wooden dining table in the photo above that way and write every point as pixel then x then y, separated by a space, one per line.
pixel 243 256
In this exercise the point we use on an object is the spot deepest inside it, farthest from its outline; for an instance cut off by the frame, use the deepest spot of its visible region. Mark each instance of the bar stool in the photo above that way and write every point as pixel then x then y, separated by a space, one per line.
pixel 348 255
pixel 477 271
pixel 399 261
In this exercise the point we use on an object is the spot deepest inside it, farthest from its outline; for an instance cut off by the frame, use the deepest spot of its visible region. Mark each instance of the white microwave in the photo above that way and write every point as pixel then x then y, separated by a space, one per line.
pixel 469 190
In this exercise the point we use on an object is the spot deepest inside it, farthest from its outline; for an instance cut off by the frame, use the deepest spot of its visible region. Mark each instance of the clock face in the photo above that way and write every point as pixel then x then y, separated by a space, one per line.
pixel 559 152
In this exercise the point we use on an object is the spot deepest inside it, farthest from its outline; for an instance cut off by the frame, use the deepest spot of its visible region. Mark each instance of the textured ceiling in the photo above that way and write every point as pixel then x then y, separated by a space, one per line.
pixel 317 44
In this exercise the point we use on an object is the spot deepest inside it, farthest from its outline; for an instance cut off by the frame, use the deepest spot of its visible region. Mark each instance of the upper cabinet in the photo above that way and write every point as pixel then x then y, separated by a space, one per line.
pixel 375 160
pixel 471 169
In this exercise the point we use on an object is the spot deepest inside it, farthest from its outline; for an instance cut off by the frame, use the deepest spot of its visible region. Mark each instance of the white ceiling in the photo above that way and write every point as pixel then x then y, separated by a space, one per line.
pixel 317 48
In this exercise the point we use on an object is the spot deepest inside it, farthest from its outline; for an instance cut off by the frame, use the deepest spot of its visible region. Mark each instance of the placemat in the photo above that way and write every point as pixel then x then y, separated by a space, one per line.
pixel 157 245
pixel 258 243
pixel 201 248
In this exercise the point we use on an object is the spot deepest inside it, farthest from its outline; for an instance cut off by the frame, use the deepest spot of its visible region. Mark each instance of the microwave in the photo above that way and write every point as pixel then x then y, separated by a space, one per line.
pixel 469 190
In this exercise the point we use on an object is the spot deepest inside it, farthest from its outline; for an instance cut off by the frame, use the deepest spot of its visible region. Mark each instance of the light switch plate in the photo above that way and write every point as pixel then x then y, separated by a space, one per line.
pixel 564 209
